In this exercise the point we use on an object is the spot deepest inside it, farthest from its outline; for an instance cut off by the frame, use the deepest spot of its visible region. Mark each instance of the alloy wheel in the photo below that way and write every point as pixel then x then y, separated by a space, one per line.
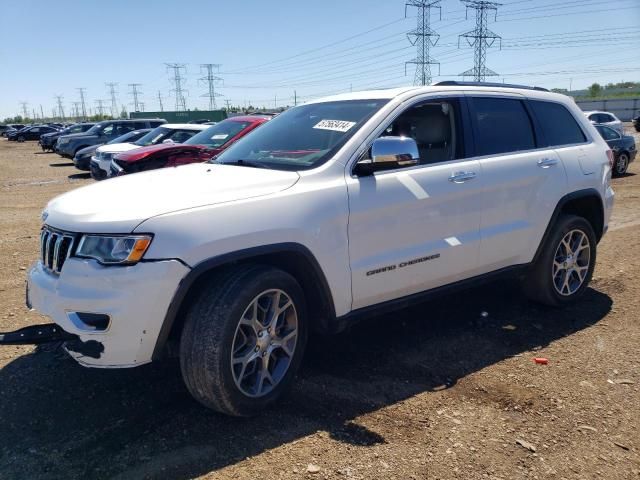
pixel 571 262
pixel 264 343
pixel 622 164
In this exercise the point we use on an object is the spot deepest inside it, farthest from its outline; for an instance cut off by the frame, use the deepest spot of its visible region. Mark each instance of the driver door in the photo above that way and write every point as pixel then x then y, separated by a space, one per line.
pixel 417 228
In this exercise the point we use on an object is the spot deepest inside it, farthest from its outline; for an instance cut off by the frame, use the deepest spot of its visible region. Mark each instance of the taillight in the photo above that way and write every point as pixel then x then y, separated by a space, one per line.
pixel 610 157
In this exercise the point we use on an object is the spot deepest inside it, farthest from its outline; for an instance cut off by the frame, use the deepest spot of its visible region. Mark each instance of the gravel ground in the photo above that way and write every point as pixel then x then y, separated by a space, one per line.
pixel 437 391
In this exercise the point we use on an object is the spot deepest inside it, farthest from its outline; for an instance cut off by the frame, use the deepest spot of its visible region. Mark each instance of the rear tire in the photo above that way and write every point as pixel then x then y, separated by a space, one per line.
pixel 238 352
pixel 565 265
pixel 20 139
pixel 621 165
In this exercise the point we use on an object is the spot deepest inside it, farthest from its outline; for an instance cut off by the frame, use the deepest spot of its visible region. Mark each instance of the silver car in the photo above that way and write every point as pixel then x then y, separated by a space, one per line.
pixel 607 119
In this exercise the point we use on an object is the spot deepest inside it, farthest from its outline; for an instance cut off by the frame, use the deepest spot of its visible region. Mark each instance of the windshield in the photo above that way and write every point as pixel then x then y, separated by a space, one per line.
pixel 217 135
pixel 160 134
pixel 96 129
pixel 302 137
pixel 129 136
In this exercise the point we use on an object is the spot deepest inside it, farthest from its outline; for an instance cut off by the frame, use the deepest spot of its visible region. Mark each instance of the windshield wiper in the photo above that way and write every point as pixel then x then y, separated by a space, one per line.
pixel 242 163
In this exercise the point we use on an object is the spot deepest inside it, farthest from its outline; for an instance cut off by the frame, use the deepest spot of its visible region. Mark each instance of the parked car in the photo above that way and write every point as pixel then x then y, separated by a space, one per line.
pixel 332 211
pixel 167 134
pixel 48 140
pixel 607 119
pixel 636 123
pixel 623 147
pixel 82 158
pixel 30 133
pixel 12 127
pixel 102 132
pixel 199 148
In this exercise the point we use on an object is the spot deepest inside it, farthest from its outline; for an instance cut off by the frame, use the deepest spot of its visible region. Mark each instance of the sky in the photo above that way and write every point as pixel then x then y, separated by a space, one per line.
pixel 273 53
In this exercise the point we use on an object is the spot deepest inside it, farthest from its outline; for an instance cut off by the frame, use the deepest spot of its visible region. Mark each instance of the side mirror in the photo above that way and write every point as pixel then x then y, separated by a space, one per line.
pixel 388 153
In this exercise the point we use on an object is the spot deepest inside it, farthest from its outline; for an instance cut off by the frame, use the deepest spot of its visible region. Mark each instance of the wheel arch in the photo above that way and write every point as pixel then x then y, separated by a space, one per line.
pixel 293 258
pixel 585 203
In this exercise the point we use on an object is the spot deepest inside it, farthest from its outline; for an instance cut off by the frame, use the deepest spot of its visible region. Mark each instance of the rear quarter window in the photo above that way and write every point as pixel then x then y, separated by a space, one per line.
pixel 558 125
pixel 503 125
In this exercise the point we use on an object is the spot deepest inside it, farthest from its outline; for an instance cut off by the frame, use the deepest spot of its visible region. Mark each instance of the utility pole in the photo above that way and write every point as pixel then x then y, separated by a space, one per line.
pixel 160 101
pixel 81 90
pixel 34 113
pixel 41 112
pixel 25 112
pixel 211 81
pixel 481 38
pixel 178 80
pixel 423 38
pixel 114 103
pixel 135 92
pixel 100 107
pixel 60 108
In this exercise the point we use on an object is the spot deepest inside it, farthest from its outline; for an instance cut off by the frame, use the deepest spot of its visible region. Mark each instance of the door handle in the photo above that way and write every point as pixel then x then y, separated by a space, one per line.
pixel 461 177
pixel 547 162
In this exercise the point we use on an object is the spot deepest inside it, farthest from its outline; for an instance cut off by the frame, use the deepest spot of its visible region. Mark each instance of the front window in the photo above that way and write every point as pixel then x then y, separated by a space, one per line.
pixel 217 135
pixel 160 134
pixel 302 137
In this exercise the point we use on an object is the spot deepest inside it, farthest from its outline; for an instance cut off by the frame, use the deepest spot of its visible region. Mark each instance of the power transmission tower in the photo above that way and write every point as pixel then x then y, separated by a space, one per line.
pixel 178 80
pixel 211 81
pixel 25 113
pixel 228 104
pixel 423 38
pixel 41 112
pixel 76 109
pixel 481 38
pixel 34 114
pixel 160 101
pixel 81 90
pixel 112 93
pixel 135 92
pixel 60 108
pixel 142 106
pixel 100 107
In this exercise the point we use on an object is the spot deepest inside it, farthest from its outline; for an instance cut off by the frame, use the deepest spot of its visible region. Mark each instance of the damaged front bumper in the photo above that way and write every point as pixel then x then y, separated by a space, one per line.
pixel 115 312
pixel 48 333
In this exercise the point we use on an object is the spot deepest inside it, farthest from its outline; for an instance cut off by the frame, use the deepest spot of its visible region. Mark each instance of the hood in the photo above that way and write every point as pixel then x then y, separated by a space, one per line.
pixel 119 204
pixel 116 147
pixel 51 134
pixel 88 150
pixel 141 153
pixel 74 136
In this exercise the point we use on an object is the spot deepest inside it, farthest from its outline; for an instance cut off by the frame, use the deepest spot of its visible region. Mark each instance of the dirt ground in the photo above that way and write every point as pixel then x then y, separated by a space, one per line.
pixel 439 391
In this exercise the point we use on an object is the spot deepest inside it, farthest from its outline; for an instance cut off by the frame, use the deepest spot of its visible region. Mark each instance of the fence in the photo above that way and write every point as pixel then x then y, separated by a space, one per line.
pixel 623 108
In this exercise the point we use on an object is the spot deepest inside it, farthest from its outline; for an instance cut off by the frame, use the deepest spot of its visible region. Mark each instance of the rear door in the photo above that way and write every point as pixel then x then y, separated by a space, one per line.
pixel 524 179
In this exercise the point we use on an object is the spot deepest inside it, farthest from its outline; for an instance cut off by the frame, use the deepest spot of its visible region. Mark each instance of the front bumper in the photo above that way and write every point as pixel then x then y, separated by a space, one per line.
pixel 135 298
pixel 96 172
pixel 64 150
pixel 82 162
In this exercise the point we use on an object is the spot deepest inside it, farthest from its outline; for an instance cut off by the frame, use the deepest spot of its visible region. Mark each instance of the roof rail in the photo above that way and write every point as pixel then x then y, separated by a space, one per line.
pixel 451 83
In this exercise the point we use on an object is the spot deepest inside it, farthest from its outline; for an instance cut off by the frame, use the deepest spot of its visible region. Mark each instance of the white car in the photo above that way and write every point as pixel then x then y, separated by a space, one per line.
pixel 607 119
pixel 166 133
pixel 332 211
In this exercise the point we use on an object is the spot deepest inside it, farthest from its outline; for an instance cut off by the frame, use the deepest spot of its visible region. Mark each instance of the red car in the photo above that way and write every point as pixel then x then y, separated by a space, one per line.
pixel 199 148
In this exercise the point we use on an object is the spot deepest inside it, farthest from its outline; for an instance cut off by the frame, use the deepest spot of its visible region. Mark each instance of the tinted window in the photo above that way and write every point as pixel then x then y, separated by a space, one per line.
pixel 217 135
pixel 607 133
pixel 503 126
pixel 558 126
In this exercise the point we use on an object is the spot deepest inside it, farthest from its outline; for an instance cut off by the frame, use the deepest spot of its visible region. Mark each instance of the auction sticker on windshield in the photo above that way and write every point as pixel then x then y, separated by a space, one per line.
pixel 335 125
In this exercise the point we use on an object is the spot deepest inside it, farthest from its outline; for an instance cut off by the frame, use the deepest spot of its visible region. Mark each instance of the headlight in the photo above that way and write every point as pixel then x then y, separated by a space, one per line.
pixel 125 250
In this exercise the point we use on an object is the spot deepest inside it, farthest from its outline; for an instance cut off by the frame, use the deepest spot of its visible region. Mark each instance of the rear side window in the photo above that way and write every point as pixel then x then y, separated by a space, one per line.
pixel 558 126
pixel 503 126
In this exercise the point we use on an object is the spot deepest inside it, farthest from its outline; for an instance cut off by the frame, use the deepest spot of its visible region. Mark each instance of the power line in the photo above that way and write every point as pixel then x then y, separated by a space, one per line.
pixel 135 92
pixel 211 81
pixel 480 38
pixel 114 103
pixel 178 79
pixel 81 90
pixel 423 38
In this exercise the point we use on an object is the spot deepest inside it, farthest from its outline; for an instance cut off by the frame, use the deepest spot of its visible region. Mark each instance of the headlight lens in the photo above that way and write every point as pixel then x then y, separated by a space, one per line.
pixel 114 250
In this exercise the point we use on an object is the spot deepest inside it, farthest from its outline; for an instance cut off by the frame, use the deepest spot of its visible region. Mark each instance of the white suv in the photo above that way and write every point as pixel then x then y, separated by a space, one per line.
pixel 333 210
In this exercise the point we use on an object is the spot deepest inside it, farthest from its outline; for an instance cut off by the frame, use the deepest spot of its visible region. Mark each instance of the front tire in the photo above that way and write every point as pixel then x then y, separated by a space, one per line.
pixel 243 339
pixel 564 268
pixel 621 165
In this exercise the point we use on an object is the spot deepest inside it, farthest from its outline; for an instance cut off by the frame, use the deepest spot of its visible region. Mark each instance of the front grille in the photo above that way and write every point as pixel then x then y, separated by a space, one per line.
pixel 55 248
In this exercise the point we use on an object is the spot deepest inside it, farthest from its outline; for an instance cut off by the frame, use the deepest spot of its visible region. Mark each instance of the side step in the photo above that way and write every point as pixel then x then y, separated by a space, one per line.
pixel 35 335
